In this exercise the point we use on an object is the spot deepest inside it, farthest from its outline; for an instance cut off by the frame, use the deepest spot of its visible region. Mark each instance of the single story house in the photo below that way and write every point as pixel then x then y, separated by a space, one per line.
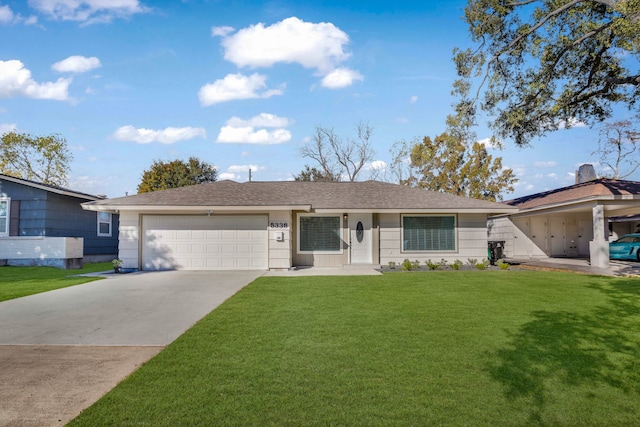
pixel 280 225
pixel 577 221
pixel 45 225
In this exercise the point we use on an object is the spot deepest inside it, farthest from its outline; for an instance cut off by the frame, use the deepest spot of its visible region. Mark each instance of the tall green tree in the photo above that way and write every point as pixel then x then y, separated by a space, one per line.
pixel 177 173
pixel 540 65
pixel 449 165
pixel 44 159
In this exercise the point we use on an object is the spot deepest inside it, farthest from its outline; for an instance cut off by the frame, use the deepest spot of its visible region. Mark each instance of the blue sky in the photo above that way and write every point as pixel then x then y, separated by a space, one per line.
pixel 240 84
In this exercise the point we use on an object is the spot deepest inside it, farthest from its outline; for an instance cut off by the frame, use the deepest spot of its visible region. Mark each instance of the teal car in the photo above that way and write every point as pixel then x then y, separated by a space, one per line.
pixel 626 247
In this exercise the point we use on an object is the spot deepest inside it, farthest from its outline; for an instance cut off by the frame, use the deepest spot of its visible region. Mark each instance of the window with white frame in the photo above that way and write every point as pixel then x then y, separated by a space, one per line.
pixel 424 233
pixel 319 234
pixel 104 224
pixel 4 217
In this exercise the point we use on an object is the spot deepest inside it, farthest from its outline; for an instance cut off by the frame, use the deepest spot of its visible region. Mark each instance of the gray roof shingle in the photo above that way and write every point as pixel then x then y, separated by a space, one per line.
pixel 367 195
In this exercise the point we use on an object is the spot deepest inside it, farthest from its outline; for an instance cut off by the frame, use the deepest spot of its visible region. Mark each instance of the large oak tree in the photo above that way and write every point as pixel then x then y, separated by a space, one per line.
pixel 45 159
pixel 177 173
pixel 544 64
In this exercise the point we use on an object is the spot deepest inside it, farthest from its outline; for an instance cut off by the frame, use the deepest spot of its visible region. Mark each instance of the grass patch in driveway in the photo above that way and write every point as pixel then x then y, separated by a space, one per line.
pixel 439 348
pixel 16 282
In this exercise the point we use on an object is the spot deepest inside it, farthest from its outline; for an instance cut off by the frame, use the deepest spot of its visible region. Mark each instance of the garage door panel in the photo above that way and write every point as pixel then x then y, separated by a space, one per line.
pixel 243 235
pixel 204 242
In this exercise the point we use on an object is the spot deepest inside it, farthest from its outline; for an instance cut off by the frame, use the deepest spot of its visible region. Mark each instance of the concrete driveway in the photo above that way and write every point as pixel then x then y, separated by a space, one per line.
pixel 62 350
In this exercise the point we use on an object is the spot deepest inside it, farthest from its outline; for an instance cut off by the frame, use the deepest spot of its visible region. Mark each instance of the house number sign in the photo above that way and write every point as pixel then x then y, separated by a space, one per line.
pixel 279 224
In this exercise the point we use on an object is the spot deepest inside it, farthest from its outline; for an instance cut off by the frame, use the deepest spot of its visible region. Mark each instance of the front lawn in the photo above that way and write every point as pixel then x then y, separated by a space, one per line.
pixel 16 282
pixel 440 348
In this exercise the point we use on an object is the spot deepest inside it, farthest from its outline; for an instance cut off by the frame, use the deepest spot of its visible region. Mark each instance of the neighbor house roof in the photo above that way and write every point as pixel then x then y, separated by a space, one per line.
pixel 599 189
pixel 299 195
pixel 47 187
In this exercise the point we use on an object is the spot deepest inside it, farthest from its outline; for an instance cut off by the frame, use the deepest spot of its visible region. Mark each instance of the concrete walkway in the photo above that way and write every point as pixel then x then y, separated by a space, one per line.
pixel 62 350
pixel 346 270
pixel 616 268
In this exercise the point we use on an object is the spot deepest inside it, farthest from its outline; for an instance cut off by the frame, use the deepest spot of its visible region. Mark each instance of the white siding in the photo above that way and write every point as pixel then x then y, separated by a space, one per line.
pixel 471 240
pixel 280 251
pixel 128 243
pixel 502 229
pixel 540 236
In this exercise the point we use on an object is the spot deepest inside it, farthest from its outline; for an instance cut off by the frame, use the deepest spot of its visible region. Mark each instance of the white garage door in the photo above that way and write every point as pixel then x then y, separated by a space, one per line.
pixel 190 242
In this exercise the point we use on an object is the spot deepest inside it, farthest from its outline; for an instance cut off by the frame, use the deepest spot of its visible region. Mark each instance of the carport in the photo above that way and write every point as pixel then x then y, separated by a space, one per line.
pixel 571 222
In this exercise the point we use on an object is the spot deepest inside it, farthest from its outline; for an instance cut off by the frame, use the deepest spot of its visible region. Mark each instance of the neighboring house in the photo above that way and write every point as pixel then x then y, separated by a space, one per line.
pixel 575 221
pixel 279 225
pixel 46 225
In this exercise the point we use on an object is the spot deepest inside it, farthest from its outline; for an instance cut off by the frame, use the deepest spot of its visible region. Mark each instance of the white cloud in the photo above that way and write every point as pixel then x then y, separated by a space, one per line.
pixel 319 46
pixel 168 135
pixel 239 172
pixel 376 165
pixel 239 130
pixel 236 86
pixel 341 77
pixel 227 175
pixel 15 80
pixel 413 99
pixel 552 175
pixel 490 143
pixel 261 120
pixel 244 168
pixel 549 164
pixel 76 64
pixel 6 15
pixel 571 123
pixel 7 127
pixel 88 11
pixel 248 135
pixel 221 31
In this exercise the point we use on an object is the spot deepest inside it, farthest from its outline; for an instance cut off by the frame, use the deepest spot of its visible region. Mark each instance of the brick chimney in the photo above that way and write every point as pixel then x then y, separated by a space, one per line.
pixel 585 173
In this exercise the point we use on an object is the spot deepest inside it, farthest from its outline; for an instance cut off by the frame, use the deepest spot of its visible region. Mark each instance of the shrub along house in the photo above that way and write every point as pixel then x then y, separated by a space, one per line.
pixel 279 225
pixel 46 225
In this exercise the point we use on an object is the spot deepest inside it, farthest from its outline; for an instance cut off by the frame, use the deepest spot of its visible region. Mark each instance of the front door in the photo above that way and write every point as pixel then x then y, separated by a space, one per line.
pixel 360 239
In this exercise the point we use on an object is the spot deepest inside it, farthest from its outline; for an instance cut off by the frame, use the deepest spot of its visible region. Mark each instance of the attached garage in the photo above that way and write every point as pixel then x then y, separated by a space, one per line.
pixel 202 242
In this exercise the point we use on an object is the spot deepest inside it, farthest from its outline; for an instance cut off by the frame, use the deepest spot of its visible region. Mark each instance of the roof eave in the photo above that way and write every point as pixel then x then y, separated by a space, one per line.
pixel 103 207
pixel 421 210
pixel 590 200
pixel 51 189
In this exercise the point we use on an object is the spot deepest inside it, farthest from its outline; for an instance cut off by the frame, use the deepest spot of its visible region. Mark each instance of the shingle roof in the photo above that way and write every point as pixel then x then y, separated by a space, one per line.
pixel 603 188
pixel 51 188
pixel 369 195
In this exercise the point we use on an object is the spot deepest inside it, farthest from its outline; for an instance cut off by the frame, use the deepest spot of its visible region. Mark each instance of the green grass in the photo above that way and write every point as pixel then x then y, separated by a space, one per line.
pixel 439 348
pixel 16 282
